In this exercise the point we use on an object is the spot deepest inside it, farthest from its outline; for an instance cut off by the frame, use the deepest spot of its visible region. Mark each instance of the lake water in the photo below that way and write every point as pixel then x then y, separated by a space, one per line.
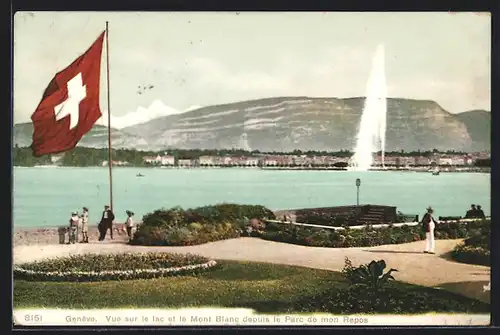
pixel 46 196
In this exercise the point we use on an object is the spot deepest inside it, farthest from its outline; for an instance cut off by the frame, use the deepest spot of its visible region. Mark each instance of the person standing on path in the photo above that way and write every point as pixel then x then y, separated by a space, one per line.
pixel 74 222
pixel 429 224
pixel 129 224
pixel 84 227
pixel 106 223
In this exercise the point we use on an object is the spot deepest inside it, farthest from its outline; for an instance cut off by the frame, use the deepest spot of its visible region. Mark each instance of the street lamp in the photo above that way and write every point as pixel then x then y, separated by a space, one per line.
pixel 358 184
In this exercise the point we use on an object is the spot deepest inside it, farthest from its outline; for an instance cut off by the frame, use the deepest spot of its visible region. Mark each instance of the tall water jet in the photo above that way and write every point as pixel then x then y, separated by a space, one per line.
pixel 372 128
pixel 243 142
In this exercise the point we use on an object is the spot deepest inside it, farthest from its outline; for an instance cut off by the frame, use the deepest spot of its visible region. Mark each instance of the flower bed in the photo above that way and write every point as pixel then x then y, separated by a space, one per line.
pixel 95 267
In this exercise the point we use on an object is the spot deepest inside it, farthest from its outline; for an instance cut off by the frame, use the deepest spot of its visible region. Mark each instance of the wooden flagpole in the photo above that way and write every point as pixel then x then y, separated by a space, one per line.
pixel 110 160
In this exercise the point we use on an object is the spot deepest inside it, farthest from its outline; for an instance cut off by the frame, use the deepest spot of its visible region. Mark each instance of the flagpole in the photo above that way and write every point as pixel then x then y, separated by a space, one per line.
pixel 110 161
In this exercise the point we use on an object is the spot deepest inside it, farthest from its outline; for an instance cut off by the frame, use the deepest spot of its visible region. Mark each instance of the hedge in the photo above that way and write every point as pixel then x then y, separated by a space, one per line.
pixel 321 237
pixel 476 249
pixel 179 227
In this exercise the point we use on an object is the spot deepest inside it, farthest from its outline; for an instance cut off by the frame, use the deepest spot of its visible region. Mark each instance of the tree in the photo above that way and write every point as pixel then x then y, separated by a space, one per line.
pixel 22 156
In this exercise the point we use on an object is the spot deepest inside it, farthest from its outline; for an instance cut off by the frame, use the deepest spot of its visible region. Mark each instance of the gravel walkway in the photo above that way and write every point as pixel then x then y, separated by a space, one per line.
pixel 413 266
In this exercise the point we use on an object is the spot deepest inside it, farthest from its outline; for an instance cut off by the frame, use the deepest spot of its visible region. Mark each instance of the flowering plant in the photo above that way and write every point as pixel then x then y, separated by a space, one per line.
pixel 95 267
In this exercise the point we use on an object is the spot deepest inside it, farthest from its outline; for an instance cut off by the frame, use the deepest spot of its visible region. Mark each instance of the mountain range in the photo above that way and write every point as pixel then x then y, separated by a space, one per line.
pixel 155 110
pixel 288 123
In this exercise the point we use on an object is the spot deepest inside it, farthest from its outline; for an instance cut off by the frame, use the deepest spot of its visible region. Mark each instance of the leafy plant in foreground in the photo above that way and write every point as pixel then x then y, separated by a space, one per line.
pixel 371 275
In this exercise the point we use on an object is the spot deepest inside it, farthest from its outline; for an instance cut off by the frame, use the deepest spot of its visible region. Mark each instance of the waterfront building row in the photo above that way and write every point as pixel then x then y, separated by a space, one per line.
pixel 307 161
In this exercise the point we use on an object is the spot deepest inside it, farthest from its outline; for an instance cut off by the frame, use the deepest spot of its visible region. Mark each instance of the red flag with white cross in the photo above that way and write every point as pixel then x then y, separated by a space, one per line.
pixel 70 104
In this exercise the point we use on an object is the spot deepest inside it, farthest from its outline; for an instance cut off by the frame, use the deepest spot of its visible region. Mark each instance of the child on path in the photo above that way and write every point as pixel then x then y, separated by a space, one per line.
pixel 129 224
pixel 74 221
pixel 84 226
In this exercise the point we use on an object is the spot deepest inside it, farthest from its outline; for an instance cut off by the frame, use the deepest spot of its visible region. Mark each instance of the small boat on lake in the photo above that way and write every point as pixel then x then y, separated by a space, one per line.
pixel 139 175
pixel 435 172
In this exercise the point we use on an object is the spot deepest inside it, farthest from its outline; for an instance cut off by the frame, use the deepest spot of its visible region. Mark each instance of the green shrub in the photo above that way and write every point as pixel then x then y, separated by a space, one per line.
pixel 369 236
pixel 182 236
pixel 273 227
pixel 482 239
pixel 228 212
pixel 477 248
pixel 241 224
pixel 371 275
pixel 471 254
pixel 213 214
pixel 320 238
pixel 195 226
pixel 462 231
pixel 151 235
pixel 177 226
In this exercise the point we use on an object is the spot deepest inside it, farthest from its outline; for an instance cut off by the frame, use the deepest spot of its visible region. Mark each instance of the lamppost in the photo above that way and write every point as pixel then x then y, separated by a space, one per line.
pixel 358 184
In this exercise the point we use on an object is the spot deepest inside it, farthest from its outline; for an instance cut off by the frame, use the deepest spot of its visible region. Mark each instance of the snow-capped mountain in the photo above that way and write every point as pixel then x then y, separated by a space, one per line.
pixel 141 115
pixel 192 108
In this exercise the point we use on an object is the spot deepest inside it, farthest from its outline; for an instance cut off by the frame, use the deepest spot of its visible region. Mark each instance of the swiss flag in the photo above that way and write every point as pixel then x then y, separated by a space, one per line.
pixel 70 104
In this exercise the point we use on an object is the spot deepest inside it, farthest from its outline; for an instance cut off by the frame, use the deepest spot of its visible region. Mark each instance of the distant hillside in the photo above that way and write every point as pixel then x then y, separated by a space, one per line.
pixel 96 138
pixel 289 123
pixel 478 123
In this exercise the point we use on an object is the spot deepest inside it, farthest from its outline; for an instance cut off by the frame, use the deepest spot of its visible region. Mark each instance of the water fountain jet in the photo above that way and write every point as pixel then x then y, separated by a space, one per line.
pixel 372 128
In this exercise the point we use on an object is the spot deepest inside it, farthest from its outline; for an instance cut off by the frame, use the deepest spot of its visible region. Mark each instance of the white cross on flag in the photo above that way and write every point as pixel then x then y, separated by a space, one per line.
pixel 70 104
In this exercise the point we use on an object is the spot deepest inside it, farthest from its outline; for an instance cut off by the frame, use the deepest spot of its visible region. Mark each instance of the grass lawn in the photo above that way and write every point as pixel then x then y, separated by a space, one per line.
pixel 263 287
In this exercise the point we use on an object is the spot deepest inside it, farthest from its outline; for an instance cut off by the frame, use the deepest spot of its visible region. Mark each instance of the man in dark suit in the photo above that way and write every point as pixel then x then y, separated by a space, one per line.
pixel 428 226
pixel 106 223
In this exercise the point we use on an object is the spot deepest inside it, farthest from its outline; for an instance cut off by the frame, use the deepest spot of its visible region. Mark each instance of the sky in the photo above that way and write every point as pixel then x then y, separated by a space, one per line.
pixel 208 58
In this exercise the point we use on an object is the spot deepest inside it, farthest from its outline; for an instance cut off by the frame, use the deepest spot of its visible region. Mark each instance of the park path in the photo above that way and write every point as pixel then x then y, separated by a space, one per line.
pixel 413 266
